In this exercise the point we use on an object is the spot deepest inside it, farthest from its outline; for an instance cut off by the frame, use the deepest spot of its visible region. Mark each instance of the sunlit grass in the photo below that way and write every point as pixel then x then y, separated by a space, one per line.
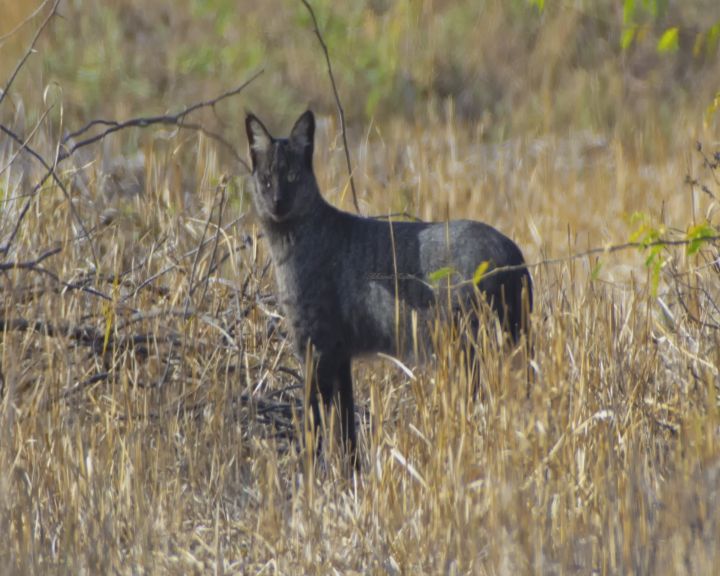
pixel 178 456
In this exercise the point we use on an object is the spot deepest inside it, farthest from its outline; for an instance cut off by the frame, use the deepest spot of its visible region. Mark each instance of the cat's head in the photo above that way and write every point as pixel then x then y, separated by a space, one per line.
pixel 285 185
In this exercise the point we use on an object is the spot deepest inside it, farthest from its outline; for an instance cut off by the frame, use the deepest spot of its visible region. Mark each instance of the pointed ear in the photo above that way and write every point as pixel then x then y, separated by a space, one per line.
pixel 258 136
pixel 302 135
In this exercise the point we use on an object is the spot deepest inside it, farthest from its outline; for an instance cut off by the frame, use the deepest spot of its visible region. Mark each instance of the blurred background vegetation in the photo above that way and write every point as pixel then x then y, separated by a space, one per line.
pixel 623 68
pixel 144 378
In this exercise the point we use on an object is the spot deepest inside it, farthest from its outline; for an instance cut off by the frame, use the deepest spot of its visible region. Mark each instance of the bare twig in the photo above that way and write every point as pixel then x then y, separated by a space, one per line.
pixel 80 386
pixel 712 165
pixel 86 335
pixel 112 126
pixel 341 112
pixel 23 211
pixel 593 252
pixel 171 267
pixel 188 299
pixel 196 260
pixel 144 122
pixel 73 285
pixel 29 51
pixel 24 146
pixel 206 280
pixel 30 264
pixel 51 171
pixel 564 259
pixel 217 138
pixel 68 141
pixel 34 266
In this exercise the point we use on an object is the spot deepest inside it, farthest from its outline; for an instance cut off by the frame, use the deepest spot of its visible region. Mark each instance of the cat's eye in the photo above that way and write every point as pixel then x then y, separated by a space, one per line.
pixel 266 182
pixel 292 176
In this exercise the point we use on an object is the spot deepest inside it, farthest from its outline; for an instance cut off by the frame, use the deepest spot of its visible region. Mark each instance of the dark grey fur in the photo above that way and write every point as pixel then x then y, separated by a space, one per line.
pixel 345 281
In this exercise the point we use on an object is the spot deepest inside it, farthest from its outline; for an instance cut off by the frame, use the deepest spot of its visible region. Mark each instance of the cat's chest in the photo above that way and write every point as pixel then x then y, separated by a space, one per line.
pixel 307 288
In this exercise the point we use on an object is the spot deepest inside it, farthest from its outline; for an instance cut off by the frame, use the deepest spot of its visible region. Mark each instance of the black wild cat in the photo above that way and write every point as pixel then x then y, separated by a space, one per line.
pixel 349 285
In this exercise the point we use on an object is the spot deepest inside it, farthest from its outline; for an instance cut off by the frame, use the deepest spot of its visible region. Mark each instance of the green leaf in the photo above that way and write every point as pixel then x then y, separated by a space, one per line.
pixel 595 272
pixel 712 110
pixel 713 36
pixel 480 272
pixel 651 260
pixel 441 273
pixel 699 235
pixel 644 229
pixel 668 41
pixel 655 276
pixel 645 233
pixel 629 12
pixel 540 4
pixel 638 216
pixel 627 38
pixel 640 234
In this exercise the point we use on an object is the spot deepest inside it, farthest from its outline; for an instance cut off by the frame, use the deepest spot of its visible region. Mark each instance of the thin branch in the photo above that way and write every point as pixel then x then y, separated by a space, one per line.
pixel 113 126
pixel 50 172
pixel 34 266
pixel 562 260
pixel 217 138
pixel 24 146
pixel 188 301
pixel 341 112
pixel 80 386
pixel 222 187
pixel 73 285
pixel 196 260
pixel 144 122
pixel 23 211
pixel 711 165
pixel 172 267
pixel 30 264
pixel 592 252
pixel 17 197
pixel 25 143
pixel 29 51
pixel 682 297
pixel 86 335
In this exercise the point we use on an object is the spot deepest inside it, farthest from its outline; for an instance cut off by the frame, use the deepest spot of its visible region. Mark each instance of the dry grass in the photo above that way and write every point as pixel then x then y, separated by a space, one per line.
pixel 149 410
pixel 165 448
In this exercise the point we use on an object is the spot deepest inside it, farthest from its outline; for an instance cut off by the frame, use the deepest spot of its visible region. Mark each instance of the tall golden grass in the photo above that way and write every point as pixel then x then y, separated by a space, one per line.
pixel 150 406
